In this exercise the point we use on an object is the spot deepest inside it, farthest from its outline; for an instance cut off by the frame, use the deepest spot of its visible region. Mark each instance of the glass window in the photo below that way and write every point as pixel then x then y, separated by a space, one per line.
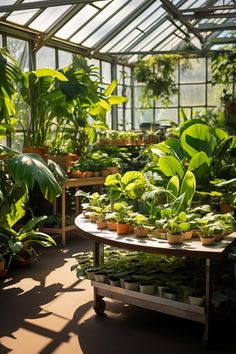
pixel 19 49
pixel 45 58
pixel 97 21
pixel 121 123
pixel 106 72
pixel 64 58
pixel 21 17
pixel 48 17
pixel 192 95
pixel 166 114
pixel 112 22
pixel 0 41
pixel 214 94
pixel 77 21
pixel 142 116
pixel 196 73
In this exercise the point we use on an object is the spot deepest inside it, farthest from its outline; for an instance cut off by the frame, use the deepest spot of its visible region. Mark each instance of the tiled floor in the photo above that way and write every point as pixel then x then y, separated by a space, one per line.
pixel 45 309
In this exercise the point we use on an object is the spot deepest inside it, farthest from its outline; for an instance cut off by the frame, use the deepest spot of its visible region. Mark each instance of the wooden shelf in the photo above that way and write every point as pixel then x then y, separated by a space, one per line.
pixel 156 303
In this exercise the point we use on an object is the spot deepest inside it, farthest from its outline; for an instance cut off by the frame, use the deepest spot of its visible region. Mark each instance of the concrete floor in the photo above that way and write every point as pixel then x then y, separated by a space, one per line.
pixel 45 309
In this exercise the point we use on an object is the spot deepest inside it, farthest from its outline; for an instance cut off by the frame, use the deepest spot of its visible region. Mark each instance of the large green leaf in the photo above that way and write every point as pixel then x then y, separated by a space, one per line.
pixel 173 185
pixel 170 166
pixel 133 177
pixel 13 207
pixel 200 165
pixel 188 123
pixel 50 72
pixel 196 138
pixel 220 133
pixel 30 168
pixel 188 187
pixel 110 88
pixel 32 223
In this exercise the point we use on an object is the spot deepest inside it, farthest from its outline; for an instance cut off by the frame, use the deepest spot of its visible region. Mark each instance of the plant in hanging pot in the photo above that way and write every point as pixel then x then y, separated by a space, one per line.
pixel 123 212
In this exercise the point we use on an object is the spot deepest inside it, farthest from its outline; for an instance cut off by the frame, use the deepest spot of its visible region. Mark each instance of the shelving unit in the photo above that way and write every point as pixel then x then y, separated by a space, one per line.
pixel 190 248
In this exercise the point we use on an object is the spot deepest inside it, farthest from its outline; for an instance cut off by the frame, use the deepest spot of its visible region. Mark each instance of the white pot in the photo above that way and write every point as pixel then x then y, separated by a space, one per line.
pixel 100 277
pixel 132 285
pixel 196 300
pixel 147 289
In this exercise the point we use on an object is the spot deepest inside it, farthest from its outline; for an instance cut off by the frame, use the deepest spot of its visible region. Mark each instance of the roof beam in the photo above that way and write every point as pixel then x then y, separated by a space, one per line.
pixel 72 11
pixel 200 16
pixel 206 27
pixel 225 40
pixel 208 9
pixel 192 51
pixel 138 11
pixel 176 14
pixel 42 4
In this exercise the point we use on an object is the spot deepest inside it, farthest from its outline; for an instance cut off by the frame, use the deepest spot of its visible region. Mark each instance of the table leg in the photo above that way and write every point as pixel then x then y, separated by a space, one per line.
pixel 63 217
pixel 99 304
pixel 76 203
pixel 206 336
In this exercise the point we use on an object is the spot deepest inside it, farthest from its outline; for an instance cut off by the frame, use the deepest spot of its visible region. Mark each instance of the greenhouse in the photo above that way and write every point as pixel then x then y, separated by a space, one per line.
pixel 118 176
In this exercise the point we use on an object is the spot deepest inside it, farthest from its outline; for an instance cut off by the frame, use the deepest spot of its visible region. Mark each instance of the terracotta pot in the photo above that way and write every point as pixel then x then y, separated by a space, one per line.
pixel 196 233
pixel 123 229
pixel 77 174
pixel 226 208
pixel 101 224
pixel 207 240
pixel 188 235
pixel 93 217
pixel 159 233
pixel 113 169
pixel 96 173
pixel 141 232
pixel 111 226
pixel 175 239
pixel 88 174
pixel 105 172
pixel 42 151
pixel 61 160
pixel 72 158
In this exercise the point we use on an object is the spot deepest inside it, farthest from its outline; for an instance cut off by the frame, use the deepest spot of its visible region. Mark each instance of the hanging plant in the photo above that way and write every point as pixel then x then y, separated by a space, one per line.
pixel 157 72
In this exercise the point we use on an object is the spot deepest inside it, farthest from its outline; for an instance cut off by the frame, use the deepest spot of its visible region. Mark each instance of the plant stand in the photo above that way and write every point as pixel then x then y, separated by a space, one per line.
pixel 71 183
pixel 189 248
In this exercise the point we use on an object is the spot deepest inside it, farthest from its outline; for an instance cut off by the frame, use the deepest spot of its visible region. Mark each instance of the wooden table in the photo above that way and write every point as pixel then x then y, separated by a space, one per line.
pixel 189 248
pixel 71 183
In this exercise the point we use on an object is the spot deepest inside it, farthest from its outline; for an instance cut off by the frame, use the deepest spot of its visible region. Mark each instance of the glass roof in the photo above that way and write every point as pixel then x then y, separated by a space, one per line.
pixel 122 28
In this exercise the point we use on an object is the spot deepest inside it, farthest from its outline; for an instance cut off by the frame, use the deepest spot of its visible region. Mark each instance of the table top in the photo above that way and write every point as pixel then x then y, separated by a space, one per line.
pixel 87 181
pixel 150 244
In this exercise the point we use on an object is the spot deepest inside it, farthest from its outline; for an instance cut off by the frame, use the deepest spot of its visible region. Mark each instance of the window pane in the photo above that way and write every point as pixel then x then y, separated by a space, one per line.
pixel 166 114
pixel 192 95
pixel 45 58
pixel 65 58
pixel 47 17
pixel 197 72
pixel 142 116
pixel 106 72
pixel 214 94
pixel 20 51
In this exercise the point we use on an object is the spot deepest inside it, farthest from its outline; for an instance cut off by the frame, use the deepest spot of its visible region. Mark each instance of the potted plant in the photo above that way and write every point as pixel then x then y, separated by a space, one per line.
pixel 175 227
pixel 122 211
pixel 111 221
pixel 140 224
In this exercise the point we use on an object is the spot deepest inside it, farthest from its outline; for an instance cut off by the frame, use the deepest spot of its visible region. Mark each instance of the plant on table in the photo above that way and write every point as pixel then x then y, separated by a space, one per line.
pixel 123 214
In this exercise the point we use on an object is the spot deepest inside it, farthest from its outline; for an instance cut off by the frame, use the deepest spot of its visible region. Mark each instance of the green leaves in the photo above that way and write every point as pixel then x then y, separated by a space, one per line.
pixel 30 168
pixel 188 187
pixel 170 166
pixel 197 138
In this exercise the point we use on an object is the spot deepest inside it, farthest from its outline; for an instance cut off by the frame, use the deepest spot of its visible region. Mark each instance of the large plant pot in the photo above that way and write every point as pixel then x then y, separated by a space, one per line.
pixel 175 239
pixel 61 160
pixel 42 151
pixel 122 229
